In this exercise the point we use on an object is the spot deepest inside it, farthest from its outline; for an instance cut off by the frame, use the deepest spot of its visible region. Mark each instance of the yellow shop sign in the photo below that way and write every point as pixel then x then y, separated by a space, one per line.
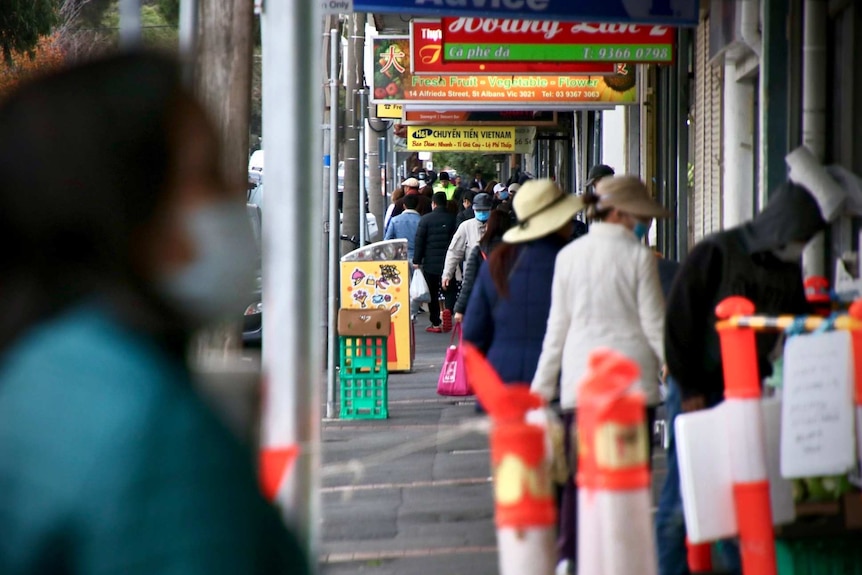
pixel 461 139
pixel 390 111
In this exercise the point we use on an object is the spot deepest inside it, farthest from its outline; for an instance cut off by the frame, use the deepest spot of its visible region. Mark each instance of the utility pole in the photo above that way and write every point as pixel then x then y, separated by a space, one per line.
pixel 224 79
pixel 353 164
pixel 130 23
pixel 331 245
pixel 376 201
pixel 188 39
pixel 292 293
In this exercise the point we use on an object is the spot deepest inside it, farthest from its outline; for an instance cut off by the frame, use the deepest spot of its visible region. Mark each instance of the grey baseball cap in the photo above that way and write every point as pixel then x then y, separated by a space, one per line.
pixel 482 202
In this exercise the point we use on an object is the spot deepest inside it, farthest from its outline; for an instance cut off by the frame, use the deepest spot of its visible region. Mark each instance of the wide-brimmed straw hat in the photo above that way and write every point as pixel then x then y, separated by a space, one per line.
pixel 542 208
pixel 628 194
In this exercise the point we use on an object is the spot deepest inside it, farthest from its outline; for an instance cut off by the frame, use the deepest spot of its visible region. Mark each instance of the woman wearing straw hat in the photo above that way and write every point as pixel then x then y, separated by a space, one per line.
pixel 606 293
pixel 508 309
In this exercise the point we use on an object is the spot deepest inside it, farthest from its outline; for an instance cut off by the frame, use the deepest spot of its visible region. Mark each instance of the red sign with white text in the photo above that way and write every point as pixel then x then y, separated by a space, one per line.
pixel 509 41
pixel 426 45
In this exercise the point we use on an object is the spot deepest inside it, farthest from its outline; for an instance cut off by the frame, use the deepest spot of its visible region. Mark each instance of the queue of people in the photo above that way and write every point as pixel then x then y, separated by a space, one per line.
pixel 103 292
pixel 540 303
pixel 441 237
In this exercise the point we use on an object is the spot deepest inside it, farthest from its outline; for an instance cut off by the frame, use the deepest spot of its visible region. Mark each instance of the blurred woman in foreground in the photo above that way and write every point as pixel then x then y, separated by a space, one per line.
pixel 121 239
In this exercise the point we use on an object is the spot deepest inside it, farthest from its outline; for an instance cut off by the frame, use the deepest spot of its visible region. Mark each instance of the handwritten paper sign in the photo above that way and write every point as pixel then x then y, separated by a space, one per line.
pixel 817 435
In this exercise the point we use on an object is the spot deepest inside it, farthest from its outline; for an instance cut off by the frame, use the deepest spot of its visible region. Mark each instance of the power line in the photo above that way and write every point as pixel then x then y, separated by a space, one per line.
pixel 146 27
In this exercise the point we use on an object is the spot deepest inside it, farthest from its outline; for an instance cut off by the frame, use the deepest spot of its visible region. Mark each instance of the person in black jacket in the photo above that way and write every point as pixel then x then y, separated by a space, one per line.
pixel 466 212
pixel 479 181
pixel 759 260
pixel 433 235
pixel 498 222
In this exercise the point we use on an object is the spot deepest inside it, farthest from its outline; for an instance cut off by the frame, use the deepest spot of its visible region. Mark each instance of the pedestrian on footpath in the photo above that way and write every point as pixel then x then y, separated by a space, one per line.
pixel 508 308
pixel 759 260
pixel 404 225
pixel 479 181
pixel 444 185
pixel 126 241
pixel 433 235
pixel 411 188
pixel 498 224
pixel 466 237
pixel 466 212
pixel 606 293
pixel 596 174
pixel 501 197
pixel 397 194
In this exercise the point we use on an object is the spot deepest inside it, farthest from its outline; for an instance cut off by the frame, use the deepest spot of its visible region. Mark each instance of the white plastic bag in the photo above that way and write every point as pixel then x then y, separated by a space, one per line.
pixel 419 287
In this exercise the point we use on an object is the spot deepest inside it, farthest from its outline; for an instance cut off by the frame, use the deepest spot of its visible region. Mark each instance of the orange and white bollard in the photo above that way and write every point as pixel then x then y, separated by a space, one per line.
pixel 747 441
pixel 524 512
pixel 615 535
pixel 856 335
pixel 817 294
pixel 699 557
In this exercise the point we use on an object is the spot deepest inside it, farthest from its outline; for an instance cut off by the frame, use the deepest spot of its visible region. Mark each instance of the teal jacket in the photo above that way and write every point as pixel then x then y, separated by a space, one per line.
pixel 110 464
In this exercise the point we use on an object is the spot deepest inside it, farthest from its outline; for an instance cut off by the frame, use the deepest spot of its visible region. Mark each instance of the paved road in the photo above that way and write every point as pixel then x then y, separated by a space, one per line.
pixel 418 500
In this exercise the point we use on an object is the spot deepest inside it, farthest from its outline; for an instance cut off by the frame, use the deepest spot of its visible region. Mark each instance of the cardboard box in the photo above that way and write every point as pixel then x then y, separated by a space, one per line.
pixel 363 322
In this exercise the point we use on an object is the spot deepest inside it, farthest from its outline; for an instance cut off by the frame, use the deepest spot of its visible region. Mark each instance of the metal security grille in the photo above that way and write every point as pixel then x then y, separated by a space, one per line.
pixel 706 194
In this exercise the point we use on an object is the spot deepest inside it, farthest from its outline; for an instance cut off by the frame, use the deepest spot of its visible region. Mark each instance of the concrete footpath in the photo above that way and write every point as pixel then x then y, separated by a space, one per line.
pixel 419 501
pixel 412 494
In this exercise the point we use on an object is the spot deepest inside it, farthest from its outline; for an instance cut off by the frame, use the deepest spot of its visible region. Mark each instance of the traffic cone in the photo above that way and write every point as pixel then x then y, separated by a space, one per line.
pixel 446 320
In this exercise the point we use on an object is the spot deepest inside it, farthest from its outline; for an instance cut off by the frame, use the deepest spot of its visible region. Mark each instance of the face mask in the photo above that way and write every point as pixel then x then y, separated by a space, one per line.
pixel 483 215
pixel 791 252
pixel 504 195
pixel 218 283
pixel 640 230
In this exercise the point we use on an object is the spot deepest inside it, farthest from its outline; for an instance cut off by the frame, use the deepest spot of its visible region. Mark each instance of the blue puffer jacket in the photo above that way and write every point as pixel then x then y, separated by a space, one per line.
pixel 404 226
pixel 510 330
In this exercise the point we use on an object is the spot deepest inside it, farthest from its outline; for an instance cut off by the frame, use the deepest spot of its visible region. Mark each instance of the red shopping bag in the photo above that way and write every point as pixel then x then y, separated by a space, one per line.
pixel 453 377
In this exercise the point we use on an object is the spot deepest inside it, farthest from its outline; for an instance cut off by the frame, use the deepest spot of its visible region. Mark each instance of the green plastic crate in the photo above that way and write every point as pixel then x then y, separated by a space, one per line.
pixel 821 556
pixel 364 377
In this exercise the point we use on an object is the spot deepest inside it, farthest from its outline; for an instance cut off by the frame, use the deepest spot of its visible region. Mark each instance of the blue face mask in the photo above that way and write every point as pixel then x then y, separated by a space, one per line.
pixel 640 230
pixel 504 195
pixel 483 215
pixel 210 288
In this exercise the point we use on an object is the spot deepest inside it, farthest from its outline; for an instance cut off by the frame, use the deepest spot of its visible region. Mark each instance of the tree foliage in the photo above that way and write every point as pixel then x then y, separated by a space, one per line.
pixel 45 55
pixel 23 23
pixel 466 164
pixel 155 28
pixel 170 10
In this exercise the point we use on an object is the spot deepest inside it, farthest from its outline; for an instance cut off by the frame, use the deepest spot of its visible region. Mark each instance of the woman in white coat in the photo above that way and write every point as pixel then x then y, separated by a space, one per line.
pixel 605 293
